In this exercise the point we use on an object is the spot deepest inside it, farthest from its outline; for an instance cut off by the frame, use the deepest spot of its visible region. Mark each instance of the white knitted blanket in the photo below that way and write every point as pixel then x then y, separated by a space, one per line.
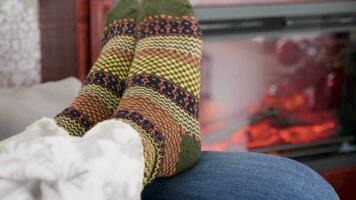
pixel 44 163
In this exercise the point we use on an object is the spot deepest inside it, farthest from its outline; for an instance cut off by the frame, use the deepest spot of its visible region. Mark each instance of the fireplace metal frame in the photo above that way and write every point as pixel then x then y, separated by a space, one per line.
pixel 276 19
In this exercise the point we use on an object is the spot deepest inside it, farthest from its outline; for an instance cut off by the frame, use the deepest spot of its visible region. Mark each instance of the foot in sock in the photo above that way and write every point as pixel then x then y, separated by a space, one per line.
pixel 103 88
pixel 162 94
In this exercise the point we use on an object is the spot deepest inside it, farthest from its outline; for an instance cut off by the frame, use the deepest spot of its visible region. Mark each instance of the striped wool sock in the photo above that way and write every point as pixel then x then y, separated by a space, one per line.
pixel 162 95
pixel 105 84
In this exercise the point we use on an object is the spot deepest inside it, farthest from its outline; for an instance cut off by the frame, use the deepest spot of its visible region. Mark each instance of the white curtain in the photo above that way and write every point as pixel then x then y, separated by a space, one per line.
pixel 19 43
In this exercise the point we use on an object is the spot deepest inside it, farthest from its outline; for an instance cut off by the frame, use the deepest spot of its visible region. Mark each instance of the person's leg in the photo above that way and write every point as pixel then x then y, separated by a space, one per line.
pixel 106 81
pixel 161 100
pixel 245 176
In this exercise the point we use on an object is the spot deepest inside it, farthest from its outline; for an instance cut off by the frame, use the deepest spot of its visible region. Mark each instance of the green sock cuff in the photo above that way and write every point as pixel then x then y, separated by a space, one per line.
pixel 176 8
pixel 124 9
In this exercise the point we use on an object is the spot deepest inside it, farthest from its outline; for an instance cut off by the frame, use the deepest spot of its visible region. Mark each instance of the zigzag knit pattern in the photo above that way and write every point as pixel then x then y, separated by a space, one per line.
pixel 162 97
pixel 106 81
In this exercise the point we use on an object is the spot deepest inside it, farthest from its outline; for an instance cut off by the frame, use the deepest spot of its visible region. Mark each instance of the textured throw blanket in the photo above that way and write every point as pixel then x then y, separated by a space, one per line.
pixel 61 167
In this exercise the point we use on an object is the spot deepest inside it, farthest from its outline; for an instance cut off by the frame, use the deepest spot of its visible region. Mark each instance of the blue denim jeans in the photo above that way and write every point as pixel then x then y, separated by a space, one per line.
pixel 242 176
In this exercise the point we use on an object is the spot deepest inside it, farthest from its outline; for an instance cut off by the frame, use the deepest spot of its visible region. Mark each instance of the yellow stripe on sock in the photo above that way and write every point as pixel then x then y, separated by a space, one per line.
pixel 182 44
pixel 181 74
pixel 71 126
pixel 124 42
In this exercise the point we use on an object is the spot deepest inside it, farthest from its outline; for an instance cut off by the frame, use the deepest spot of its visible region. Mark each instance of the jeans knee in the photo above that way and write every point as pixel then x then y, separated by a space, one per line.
pixel 300 181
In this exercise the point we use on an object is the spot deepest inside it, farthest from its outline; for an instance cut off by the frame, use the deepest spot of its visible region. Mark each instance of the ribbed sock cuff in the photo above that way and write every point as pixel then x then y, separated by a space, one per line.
pixel 175 8
pixel 124 9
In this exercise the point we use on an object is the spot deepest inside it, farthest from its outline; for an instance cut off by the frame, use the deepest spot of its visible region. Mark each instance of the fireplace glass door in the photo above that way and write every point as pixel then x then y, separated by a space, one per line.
pixel 280 90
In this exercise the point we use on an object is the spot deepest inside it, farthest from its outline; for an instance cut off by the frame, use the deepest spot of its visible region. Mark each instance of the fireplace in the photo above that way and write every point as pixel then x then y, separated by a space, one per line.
pixel 284 83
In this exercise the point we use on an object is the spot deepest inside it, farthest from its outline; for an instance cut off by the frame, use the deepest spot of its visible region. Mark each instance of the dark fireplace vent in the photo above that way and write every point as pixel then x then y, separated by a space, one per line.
pixel 273 24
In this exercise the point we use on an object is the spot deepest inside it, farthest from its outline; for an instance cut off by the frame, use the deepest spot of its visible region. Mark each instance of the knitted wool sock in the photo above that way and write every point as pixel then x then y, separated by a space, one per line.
pixel 162 95
pixel 105 84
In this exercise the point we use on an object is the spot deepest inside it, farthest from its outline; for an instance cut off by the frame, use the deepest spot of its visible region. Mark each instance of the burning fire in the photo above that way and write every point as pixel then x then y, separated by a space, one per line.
pixel 278 120
pixel 267 132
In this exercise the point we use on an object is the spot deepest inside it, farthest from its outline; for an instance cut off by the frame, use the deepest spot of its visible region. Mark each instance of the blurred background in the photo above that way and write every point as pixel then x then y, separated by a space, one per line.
pixel 279 76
